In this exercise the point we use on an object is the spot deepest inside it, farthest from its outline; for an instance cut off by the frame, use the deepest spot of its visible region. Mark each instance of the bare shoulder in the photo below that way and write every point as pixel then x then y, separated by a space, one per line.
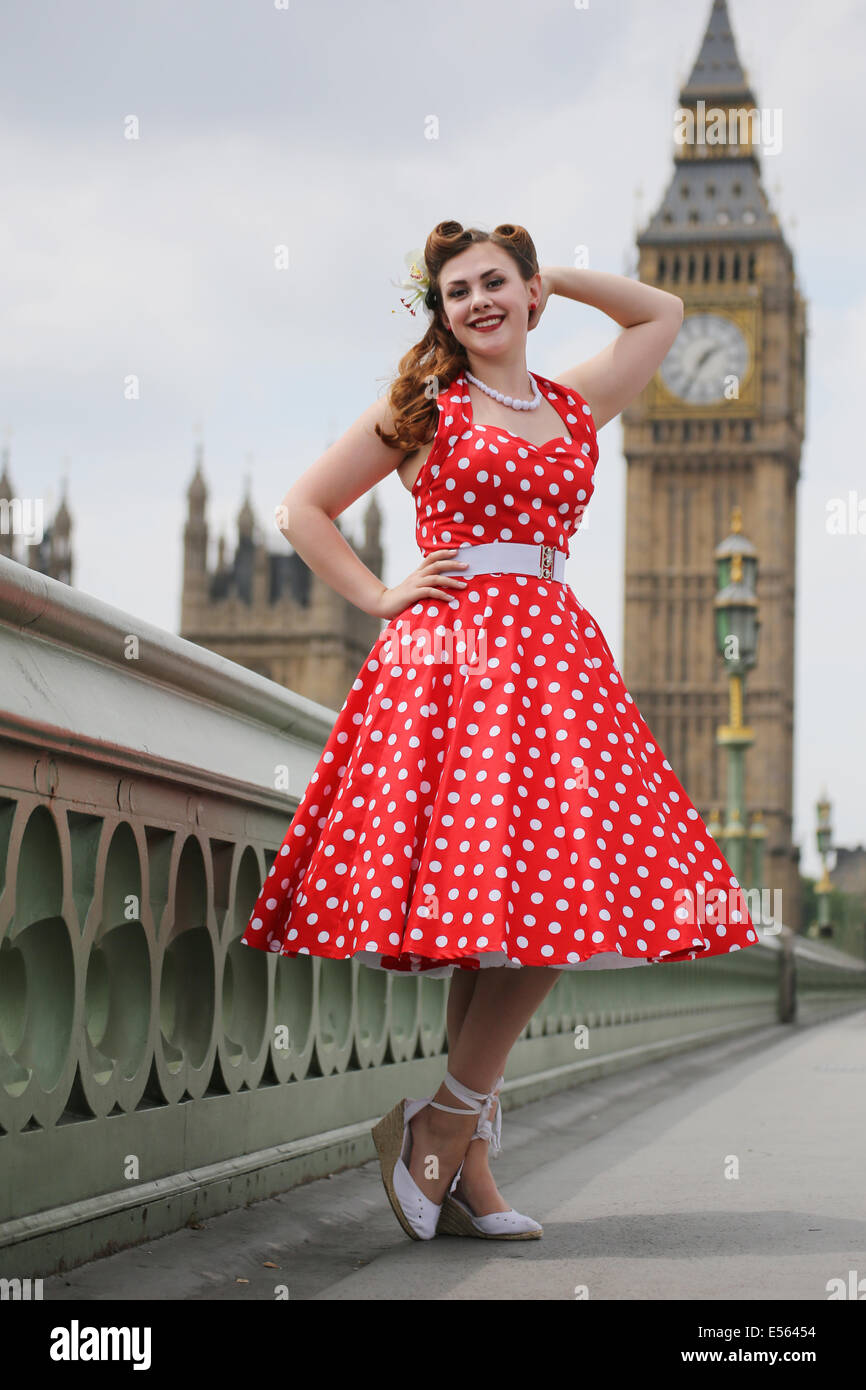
pixel 584 384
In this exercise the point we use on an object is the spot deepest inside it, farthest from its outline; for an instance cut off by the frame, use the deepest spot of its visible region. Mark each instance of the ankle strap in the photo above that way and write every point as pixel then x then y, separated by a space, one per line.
pixel 474 1099
pixel 491 1130
pixel 481 1104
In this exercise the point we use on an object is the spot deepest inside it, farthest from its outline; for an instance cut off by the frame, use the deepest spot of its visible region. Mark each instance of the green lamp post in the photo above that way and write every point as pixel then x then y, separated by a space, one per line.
pixel 737 624
pixel 823 888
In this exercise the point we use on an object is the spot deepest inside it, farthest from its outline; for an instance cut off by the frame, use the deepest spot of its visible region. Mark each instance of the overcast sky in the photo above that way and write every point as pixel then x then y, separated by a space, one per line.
pixel 260 125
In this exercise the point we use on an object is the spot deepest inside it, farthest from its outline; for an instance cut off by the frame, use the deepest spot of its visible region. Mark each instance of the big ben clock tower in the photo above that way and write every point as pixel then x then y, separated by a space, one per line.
pixel 719 426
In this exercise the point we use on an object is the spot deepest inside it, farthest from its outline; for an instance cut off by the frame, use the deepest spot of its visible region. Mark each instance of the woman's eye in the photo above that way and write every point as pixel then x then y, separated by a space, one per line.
pixel 497 281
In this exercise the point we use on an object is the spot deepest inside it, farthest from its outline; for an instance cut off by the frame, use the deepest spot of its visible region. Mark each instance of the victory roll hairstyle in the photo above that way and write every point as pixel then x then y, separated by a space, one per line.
pixel 432 363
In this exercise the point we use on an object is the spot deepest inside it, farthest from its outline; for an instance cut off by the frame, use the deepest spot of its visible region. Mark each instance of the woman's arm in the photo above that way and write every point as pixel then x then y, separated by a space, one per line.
pixel 650 318
pixel 344 472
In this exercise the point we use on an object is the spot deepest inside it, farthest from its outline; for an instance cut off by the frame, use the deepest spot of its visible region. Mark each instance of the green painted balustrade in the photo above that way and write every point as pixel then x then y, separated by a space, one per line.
pixel 153 1071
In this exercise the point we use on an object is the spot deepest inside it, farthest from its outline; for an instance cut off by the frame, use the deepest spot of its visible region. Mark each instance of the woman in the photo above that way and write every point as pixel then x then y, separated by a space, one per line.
pixel 504 813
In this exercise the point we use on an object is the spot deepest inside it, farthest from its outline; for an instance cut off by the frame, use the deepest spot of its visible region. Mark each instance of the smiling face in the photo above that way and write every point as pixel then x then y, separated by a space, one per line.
pixel 482 283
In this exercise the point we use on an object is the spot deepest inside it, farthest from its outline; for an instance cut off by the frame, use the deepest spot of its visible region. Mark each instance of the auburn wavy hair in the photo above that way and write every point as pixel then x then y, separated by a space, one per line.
pixel 432 363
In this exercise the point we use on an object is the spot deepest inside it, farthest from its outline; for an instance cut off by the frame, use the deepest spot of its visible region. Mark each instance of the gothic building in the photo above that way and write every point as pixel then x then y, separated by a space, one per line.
pixel 267 610
pixel 51 552
pixel 720 425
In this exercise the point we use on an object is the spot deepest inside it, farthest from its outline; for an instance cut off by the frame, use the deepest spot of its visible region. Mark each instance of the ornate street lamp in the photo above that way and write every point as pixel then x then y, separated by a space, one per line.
pixel 823 888
pixel 737 624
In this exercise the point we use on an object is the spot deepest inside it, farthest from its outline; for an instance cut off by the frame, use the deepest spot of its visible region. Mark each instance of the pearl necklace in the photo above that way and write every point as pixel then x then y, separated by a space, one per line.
pixel 508 400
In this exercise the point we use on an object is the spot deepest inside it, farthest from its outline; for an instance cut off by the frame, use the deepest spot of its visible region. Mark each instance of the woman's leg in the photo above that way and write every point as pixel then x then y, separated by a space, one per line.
pixel 477 1185
pixel 490 1019
pixel 460 993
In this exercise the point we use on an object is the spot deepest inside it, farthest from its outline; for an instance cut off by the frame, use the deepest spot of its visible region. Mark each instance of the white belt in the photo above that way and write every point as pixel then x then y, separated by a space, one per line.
pixel 512 557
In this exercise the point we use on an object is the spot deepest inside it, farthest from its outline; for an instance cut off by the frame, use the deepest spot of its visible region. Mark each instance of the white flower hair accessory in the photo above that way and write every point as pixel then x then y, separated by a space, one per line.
pixel 416 284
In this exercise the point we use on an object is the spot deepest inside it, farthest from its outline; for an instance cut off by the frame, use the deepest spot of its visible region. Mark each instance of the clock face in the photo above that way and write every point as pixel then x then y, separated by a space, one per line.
pixel 708 350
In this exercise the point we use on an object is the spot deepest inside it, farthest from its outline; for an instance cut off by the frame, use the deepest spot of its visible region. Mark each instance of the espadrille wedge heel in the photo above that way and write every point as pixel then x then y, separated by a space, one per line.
pixel 393 1139
pixel 458 1219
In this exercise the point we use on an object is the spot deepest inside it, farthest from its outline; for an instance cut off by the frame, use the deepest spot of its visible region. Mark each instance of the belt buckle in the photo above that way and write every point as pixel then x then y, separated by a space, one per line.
pixel 545 564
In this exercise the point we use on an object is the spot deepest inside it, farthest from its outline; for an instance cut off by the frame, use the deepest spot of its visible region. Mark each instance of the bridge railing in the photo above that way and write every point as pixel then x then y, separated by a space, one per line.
pixel 152 1069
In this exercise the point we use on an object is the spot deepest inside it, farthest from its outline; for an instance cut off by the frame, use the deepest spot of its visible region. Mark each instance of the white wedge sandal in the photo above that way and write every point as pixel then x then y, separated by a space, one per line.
pixel 457 1218
pixel 393 1139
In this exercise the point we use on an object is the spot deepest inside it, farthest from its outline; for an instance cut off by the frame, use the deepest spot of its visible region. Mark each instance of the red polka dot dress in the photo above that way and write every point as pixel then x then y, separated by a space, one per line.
pixel 489 793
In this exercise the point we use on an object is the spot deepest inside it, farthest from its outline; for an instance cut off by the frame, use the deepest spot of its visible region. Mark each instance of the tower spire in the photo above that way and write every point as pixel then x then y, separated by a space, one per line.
pixel 715 189
pixel 246 515
pixel 718 73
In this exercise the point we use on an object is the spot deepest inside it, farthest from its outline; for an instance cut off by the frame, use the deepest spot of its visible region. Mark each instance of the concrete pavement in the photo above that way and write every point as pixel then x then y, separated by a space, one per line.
pixel 733 1171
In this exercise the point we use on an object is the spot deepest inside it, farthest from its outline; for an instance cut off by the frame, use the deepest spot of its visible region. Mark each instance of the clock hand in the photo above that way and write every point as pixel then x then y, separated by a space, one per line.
pixel 714 347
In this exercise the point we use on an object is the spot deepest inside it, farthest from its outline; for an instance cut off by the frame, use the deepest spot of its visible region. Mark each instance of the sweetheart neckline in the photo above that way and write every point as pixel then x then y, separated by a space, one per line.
pixel 566 439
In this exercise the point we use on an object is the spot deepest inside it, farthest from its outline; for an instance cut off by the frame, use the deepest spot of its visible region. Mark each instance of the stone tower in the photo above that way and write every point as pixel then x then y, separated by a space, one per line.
pixel 50 550
pixel 721 424
pixel 268 610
